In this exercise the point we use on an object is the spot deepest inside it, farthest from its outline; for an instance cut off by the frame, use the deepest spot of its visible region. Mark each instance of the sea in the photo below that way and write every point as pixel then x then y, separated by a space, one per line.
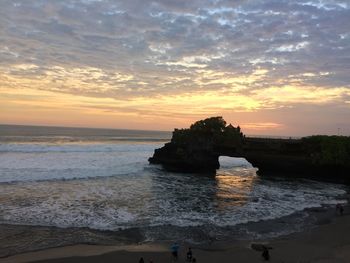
pixel 100 179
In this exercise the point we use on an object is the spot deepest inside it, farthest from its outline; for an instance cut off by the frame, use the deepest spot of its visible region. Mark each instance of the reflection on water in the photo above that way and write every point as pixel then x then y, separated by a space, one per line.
pixel 158 198
pixel 234 187
pixel 152 198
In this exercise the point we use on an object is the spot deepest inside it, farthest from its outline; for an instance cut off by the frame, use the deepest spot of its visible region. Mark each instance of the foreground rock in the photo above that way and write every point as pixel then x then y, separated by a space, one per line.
pixel 198 149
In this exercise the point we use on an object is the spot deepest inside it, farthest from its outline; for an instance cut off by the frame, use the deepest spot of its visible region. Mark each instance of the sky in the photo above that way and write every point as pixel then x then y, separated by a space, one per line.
pixel 276 67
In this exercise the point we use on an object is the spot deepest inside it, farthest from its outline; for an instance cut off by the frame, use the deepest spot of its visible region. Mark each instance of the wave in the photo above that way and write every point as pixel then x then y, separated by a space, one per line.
pixel 151 199
pixel 78 139
pixel 76 147
pixel 112 186
pixel 40 162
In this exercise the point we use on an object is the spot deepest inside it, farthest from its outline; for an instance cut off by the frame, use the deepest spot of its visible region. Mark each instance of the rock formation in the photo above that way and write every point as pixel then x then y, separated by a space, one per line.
pixel 198 148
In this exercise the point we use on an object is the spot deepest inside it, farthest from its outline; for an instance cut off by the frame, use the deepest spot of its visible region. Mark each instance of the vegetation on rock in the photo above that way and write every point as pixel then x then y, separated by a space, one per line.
pixel 328 150
pixel 210 133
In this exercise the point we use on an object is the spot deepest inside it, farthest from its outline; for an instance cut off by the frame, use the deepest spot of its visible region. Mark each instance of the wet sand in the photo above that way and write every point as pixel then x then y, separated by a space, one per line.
pixel 328 242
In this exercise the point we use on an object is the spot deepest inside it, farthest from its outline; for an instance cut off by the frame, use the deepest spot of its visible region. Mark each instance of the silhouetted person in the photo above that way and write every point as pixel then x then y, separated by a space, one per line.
pixel 265 254
pixel 211 236
pixel 174 251
pixel 189 255
pixel 141 260
pixel 339 208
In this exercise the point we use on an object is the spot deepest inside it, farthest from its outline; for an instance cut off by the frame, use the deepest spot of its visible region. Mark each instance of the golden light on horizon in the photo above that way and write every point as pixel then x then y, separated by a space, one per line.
pixel 70 95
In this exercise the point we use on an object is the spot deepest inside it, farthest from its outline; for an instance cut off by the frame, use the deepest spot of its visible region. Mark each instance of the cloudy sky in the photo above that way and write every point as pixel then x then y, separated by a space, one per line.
pixel 276 67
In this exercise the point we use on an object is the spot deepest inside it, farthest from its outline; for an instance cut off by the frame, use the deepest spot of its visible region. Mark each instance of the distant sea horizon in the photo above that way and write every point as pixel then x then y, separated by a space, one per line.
pixel 79 127
pixel 8 128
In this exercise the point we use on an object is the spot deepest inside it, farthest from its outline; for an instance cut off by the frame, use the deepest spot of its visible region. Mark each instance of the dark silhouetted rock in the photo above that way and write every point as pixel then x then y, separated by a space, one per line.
pixel 198 148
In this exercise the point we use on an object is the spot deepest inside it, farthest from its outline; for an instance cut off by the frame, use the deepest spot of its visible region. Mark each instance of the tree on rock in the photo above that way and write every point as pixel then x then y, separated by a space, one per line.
pixel 209 125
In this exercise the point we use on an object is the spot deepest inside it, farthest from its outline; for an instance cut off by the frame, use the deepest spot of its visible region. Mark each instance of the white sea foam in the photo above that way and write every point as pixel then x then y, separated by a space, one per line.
pixel 114 187
pixel 33 162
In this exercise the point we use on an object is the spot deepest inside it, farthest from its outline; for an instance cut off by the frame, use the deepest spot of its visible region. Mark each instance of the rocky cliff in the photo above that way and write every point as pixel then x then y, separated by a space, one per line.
pixel 198 148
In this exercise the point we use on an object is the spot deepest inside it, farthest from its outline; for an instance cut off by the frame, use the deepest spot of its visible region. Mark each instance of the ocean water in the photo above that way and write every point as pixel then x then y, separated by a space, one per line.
pixel 101 179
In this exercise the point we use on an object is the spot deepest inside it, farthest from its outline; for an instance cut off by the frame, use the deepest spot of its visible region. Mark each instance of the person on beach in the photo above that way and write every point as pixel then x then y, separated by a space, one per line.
pixel 265 254
pixel 189 255
pixel 339 208
pixel 211 237
pixel 174 251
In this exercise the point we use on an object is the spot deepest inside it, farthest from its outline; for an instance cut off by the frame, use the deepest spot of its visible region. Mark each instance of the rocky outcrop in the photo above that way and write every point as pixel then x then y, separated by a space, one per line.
pixel 198 148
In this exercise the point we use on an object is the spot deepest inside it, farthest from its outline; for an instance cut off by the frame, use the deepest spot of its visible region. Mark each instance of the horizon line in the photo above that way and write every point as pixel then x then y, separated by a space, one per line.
pixel 78 127
pixel 126 129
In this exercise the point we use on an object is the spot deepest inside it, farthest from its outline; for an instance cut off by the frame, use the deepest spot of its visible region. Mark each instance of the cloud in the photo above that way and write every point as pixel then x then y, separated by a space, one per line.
pixel 271 53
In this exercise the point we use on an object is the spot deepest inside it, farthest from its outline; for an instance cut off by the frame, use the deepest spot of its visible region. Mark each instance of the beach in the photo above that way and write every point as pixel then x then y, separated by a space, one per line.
pixel 327 242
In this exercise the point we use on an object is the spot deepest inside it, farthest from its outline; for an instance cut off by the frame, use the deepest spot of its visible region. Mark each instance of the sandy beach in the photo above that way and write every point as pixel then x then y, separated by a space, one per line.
pixel 328 242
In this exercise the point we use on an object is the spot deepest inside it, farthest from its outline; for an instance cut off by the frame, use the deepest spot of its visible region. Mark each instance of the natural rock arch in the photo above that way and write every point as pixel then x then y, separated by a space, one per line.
pixel 198 148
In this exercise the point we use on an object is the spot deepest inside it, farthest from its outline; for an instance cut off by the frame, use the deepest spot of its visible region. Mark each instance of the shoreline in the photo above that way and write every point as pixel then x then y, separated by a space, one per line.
pixel 324 243
pixel 112 245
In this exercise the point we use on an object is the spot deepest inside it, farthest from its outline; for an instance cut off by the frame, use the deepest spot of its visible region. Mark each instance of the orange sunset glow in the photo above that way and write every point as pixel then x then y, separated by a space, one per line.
pixel 272 69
